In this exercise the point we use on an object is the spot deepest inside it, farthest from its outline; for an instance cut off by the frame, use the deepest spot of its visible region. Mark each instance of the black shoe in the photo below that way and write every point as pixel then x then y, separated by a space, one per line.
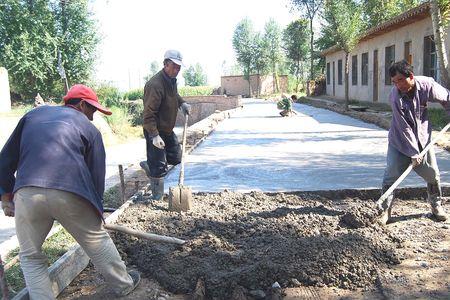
pixel 144 166
pixel 136 276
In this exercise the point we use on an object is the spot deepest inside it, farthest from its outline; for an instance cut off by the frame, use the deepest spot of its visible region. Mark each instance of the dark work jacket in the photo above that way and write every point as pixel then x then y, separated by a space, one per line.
pixel 161 103
pixel 55 147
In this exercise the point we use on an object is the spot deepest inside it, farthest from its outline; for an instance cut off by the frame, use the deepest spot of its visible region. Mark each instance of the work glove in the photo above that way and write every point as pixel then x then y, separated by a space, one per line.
pixel 185 108
pixel 416 161
pixel 158 142
pixel 8 205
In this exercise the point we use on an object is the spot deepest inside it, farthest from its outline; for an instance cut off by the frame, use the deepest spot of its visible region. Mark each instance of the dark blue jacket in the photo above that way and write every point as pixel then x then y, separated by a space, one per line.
pixel 55 147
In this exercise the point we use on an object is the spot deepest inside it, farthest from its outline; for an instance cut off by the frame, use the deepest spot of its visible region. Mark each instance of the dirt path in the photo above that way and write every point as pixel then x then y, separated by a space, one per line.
pixel 240 245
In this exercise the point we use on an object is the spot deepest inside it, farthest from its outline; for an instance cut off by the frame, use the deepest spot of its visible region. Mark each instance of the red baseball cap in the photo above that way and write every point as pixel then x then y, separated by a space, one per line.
pixel 79 91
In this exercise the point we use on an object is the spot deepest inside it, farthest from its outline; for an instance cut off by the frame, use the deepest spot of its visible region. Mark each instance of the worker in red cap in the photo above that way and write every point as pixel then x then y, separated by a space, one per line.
pixel 53 168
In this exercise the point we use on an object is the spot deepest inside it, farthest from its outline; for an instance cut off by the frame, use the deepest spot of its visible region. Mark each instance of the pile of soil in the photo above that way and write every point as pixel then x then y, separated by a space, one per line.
pixel 251 241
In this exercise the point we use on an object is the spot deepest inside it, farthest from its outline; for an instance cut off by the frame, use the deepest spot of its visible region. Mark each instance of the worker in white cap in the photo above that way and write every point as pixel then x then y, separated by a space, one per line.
pixel 161 103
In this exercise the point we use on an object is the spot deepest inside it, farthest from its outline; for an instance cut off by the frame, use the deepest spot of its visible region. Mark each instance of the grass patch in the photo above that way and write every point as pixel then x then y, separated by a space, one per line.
pixel 112 197
pixel 54 247
pixel 438 118
pixel 121 126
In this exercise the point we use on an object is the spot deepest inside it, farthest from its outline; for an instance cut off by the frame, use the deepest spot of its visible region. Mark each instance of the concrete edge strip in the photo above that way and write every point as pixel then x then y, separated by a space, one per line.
pixel 67 267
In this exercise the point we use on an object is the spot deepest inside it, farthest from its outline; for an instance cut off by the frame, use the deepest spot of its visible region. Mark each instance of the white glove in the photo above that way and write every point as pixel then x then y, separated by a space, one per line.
pixel 158 142
pixel 185 108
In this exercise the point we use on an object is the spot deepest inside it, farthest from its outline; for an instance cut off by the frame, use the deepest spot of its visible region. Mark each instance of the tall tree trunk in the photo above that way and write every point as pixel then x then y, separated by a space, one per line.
pixel 311 49
pixel 258 85
pixel 440 44
pixel 346 80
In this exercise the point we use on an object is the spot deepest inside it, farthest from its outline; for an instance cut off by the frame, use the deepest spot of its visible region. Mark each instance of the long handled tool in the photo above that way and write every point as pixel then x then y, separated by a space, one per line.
pixel 410 167
pixel 145 235
pixel 180 197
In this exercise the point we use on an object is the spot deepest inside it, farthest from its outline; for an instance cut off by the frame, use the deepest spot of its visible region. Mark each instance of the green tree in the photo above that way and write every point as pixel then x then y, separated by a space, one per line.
pixel 310 9
pixel 27 45
pixel 440 17
pixel 377 11
pixel 261 61
pixel 272 40
pixel 32 34
pixel 243 44
pixel 295 46
pixel 344 18
pixel 154 68
pixel 77 38
pixel 194 76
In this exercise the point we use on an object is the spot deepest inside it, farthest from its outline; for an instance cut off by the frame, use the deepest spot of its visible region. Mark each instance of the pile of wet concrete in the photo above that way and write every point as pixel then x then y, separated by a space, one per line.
pixel 250 241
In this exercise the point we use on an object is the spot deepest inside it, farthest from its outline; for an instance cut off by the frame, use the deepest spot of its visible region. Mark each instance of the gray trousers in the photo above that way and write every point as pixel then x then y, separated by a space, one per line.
pixel 397 163
pixel 36 210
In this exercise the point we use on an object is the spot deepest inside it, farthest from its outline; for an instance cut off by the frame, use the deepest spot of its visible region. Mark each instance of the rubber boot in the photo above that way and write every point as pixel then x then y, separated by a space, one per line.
pixel 157 185
pixel 435 200
pixel 144 166
pixel 385 208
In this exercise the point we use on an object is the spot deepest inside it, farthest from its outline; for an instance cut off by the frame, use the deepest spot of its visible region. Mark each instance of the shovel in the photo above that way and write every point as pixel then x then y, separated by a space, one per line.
pixel 410 167
pixel 180 197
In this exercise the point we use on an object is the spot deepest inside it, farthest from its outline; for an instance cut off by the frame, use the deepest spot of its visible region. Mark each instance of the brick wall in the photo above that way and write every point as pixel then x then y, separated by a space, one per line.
pixel 237 85
pixel 204 106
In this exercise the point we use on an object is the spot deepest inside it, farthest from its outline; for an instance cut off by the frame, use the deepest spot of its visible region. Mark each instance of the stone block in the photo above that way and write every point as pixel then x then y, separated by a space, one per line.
pixel 5 99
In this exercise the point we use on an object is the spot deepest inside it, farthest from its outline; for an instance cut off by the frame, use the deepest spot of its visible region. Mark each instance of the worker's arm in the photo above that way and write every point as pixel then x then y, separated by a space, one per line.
pixel 9 159
pixel 440 94
pixel 152 101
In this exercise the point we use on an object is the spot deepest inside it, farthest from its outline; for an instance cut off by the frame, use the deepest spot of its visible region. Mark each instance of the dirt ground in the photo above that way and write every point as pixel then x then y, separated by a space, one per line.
pixel 282 245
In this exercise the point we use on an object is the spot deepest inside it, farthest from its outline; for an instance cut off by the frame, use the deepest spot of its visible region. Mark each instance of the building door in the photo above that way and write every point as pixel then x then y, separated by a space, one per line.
pixel 375 76
pixel 334 79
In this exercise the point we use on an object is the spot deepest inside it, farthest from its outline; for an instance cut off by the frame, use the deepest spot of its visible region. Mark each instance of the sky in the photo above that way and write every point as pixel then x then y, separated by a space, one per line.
pixel 136 32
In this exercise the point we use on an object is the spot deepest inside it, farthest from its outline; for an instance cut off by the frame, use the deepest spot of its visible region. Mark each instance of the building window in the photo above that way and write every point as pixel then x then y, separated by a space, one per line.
pixel 389 59
pixel 340 71
pixel 354 70
pixel 365 68
pixel 408 53
pixel 429 57
pixel 328 73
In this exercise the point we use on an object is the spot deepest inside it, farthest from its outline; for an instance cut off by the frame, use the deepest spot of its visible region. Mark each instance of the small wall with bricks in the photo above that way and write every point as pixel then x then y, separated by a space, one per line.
pixel 238 85
pixel 204 106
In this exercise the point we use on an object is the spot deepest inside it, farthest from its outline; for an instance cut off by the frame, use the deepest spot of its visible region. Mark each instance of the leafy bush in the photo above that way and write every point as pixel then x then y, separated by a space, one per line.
pixel 134 94
pixel 195 90
pixel 108 95
pixel 120 123
pixel 135 111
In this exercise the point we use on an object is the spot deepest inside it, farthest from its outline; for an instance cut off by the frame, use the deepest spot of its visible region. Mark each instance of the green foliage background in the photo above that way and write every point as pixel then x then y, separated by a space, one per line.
pixel 32 33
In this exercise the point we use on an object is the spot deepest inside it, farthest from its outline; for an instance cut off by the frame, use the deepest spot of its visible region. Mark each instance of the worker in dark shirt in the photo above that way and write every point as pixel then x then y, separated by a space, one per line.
pixel 410 133
pixel 59 158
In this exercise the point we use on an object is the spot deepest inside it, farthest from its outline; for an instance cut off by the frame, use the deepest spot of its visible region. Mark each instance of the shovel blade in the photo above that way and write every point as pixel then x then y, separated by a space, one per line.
pixel 180 198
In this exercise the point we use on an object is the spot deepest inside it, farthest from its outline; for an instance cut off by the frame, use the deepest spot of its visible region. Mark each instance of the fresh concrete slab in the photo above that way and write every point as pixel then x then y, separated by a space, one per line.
pixel 257 149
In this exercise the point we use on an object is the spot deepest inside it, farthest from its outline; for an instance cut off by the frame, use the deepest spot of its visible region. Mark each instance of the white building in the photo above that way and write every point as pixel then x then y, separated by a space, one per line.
pixel 408 36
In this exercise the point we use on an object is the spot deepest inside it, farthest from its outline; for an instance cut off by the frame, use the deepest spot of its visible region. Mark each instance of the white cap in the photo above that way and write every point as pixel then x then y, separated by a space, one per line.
pixel 175 56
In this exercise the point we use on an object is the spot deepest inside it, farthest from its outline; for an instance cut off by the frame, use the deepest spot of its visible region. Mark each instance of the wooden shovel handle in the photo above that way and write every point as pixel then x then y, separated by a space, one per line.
pixel 145 235
pixel 183 151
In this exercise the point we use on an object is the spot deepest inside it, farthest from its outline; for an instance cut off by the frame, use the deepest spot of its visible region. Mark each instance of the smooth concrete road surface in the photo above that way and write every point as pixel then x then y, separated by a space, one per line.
pixel 316 149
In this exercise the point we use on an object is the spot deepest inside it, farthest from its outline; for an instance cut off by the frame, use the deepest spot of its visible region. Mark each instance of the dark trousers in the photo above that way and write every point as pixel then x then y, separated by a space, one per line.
pixel 159 159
